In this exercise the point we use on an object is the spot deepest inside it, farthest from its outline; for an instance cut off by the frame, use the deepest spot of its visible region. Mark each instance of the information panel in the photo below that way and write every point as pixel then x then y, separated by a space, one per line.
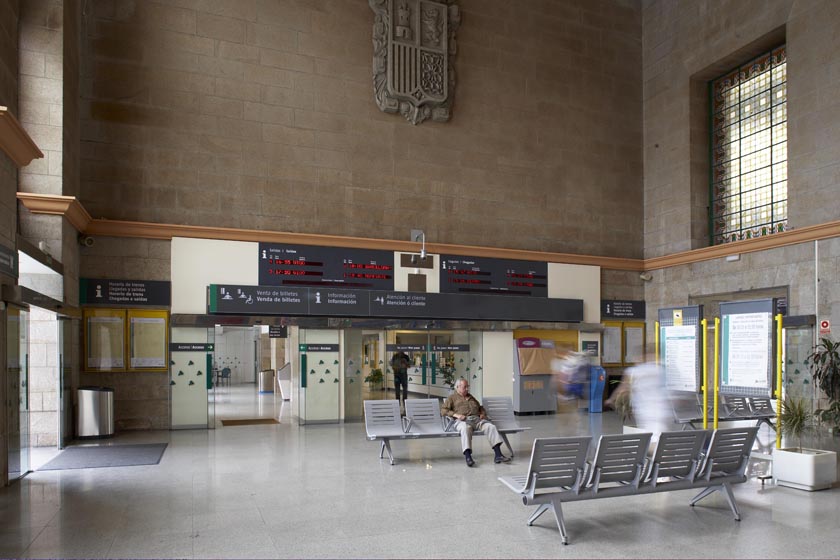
pixel 148 342
pixel 105 346
pixel 680 348
pixel 311 265
pixel 484 275
pixel 680 360
pixel 332 302
pixel 747 347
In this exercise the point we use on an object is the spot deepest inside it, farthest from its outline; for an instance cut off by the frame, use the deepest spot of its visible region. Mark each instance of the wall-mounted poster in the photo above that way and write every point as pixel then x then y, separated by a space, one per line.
pixel 147 339
pixel 105 339
pixel 612 345
pixel 112 334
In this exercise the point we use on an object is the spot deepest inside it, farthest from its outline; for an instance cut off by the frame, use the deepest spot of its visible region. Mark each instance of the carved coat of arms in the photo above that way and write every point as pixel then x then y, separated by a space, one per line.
pixel 413 48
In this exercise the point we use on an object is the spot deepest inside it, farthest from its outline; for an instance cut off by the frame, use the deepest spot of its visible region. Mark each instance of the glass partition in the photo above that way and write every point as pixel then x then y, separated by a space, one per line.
pixel 320 365
pixel 437 359
pixel 17 390
pixel 352 378
pixel 798 343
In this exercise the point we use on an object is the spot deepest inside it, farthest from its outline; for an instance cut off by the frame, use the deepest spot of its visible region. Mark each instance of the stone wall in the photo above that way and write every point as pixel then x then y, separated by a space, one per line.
pixel 251 114
pixel 8 183
pixel 687 44
pixel 141 400
pixel 42 94
pixel 9 99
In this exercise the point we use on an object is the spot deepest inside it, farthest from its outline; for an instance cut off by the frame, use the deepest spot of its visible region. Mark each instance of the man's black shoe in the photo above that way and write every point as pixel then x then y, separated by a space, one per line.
pixel 501 459
pixel 470 461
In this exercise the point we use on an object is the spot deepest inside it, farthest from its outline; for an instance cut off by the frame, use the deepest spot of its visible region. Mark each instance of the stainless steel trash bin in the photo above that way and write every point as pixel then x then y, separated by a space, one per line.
pixel 267 381
pixel 95 412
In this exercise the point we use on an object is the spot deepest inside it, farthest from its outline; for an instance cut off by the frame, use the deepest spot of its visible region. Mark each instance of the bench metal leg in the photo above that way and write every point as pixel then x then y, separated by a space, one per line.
pixel 386 446
pixel 507 443
pixel 555 507
pixel 724 489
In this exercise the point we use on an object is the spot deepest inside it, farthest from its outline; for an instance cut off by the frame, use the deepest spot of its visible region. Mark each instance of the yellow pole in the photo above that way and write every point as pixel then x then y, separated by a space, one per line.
pixel 656 342
pixel 779 381
pixel 717 370
pixel 703 325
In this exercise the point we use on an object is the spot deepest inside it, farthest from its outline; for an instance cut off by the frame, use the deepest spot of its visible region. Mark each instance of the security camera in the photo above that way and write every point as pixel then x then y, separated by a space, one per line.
pixel 86 241
pixel 646 276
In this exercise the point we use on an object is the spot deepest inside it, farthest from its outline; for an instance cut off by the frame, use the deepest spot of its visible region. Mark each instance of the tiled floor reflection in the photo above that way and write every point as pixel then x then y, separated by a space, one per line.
pixel 321 491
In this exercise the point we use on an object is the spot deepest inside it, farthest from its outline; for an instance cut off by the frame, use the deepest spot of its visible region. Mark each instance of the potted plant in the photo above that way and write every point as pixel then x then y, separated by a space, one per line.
pixel 830 416
pixel 799 467
pixel 825 360
pixel 374 379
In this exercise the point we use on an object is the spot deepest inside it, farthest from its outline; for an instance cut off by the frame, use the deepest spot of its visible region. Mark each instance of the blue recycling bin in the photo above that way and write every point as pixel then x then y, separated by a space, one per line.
pixel 597 381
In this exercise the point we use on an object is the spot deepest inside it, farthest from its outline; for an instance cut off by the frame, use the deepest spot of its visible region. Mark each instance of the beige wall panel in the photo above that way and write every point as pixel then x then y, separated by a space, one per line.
pixel 497 348
pixel 196 263
pixel 577 281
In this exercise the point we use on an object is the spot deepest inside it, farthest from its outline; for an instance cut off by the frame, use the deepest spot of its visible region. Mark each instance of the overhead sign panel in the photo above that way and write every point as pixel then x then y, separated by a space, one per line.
pixel 331 302
pixel 483 275
pixel 622 309
pixel 102 291
pixel 310 265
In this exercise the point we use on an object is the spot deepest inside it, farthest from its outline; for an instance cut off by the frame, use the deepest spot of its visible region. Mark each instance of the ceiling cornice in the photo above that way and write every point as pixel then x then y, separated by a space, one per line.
pixel 67 206
pixel 75 213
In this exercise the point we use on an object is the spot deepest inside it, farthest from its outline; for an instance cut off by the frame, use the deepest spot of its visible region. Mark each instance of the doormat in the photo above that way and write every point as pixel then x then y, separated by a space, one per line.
pixel 249 422
pixel 98 456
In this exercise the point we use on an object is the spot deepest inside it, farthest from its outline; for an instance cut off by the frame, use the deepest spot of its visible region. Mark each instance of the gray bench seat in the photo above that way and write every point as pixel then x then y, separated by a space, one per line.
pixel 424 420
pixel 730 409
pixel 559 471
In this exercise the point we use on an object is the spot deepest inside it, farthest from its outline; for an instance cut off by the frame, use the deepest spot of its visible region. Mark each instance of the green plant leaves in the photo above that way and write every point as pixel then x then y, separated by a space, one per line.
pixel 825 360
pixel 795 418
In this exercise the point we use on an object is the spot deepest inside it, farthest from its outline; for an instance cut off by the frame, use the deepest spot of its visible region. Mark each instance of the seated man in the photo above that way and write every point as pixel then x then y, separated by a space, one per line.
pixel 469 416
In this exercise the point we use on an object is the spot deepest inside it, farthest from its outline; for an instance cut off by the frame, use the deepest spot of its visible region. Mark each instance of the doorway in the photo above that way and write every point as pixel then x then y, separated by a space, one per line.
pixel 438 358
pixel 17 390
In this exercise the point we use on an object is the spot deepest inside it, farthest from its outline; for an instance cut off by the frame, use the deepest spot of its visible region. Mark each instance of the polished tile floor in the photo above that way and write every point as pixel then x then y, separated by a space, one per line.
pixel 320 491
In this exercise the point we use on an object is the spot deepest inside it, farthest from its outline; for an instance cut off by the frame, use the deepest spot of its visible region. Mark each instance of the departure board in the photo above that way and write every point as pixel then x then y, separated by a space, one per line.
pixel 483 275
pixel 311 265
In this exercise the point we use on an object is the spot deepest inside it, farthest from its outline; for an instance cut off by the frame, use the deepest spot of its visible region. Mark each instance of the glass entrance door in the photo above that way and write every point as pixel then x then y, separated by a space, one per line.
pixel 437 359
pixel 17 390
pixel 65 402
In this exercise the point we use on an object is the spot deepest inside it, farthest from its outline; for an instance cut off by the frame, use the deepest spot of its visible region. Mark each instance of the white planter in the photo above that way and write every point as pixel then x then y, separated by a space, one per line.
pixel 812 469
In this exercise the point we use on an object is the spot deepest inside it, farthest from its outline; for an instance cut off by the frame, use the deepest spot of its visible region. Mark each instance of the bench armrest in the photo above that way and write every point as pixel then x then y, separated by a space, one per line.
pixel 448 424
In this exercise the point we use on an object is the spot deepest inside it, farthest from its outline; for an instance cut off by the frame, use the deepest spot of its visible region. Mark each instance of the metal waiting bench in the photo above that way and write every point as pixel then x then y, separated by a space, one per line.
pixel 730 409
pixel 423 419
pixel 559 471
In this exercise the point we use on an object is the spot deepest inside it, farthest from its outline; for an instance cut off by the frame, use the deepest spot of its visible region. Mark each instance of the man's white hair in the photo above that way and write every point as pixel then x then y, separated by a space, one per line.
pixel 460 382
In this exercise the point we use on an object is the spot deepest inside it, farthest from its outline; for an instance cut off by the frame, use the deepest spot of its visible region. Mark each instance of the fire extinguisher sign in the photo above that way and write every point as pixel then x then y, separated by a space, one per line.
pixel 825 326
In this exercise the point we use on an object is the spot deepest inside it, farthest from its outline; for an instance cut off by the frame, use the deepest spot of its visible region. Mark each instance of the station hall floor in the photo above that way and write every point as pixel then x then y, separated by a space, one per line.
pixel 321 491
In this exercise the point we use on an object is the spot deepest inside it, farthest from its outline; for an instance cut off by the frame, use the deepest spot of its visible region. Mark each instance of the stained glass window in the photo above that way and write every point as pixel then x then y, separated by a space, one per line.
pixel 749 149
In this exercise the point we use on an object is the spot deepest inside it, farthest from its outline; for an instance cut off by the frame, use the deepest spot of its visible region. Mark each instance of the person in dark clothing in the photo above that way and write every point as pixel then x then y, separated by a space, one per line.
pixel 399 363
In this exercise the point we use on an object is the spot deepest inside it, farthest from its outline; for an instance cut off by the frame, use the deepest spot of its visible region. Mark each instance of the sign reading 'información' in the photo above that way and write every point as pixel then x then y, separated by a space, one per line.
pixel 331 302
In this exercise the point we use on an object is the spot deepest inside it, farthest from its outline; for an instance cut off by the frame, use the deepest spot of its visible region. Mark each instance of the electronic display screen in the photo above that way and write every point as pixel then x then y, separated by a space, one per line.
pixel 310 265
pixel 483 275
